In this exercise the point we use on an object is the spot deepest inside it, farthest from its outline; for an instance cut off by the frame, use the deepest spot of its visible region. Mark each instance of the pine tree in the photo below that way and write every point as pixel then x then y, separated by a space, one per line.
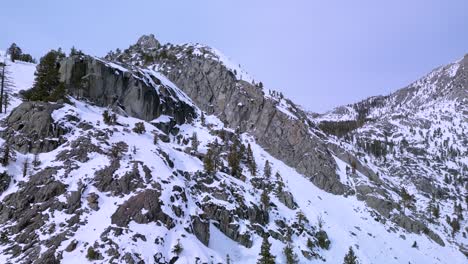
pixel 75 52
pixel 265 199
pixel 195 142
pixel 265 255
pixel 291 257
pixel 14 51
pixel 177 249
pixel 6 85
pixel 107 118
pixel 350 257
pixel 6 102
pixel 47 82
pixel 234 160
pixel 251 161
pixel 139 128
pixel 267 170
pixel 300 217
pixel 6 155
pixel 280 183
pixel 36 162
pixel 406 199
pixel 203 119
pixel 25 167
pixel 208 162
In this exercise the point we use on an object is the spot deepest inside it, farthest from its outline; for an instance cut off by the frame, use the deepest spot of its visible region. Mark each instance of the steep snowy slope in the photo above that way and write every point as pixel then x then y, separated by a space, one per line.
pixel 108 193
pixel 416 138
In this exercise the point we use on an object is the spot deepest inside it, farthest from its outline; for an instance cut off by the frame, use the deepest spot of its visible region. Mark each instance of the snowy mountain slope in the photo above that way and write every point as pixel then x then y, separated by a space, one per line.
pixel 415 138
pixel 108 194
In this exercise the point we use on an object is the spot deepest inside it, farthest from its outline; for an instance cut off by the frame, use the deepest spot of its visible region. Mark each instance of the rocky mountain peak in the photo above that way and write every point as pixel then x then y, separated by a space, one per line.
pixel 148 42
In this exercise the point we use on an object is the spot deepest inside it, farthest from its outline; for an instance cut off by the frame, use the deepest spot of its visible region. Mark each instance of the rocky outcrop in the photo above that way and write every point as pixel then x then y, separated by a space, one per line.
pixel 243 106
pixel 201 229
pixel 417 227
pixel 5 180
pixel 143 208
pixel 138 93
pixel 31 128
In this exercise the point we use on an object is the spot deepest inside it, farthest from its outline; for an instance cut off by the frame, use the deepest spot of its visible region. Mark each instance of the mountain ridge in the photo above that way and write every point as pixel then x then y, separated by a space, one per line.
pixel 108 191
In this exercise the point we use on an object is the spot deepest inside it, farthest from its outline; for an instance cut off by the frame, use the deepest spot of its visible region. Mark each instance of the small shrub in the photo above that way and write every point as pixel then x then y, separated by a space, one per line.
pixel 322 239
pixel 139 128
pixel 92 254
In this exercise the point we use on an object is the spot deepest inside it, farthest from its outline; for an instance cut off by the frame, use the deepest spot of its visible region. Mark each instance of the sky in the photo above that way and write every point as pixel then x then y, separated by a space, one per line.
pixel 320 54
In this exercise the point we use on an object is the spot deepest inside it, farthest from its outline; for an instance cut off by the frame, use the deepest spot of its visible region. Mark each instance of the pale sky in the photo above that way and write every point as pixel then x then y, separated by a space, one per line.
pixel 321 54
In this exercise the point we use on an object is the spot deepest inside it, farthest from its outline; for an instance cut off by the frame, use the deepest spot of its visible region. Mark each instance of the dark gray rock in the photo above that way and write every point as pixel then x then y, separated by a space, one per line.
pixel 5 180
pixel 133 208
pixel 242 105
pixel 201 229
pixel 137 93
pixel 287 199
pixel 30 128
pixel 417 227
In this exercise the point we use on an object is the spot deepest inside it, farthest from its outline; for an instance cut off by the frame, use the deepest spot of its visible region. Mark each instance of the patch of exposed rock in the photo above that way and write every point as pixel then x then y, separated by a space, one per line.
pixel 31 128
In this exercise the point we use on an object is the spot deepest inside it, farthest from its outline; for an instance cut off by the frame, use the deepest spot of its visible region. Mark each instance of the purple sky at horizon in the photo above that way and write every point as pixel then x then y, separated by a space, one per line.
pixel 320 54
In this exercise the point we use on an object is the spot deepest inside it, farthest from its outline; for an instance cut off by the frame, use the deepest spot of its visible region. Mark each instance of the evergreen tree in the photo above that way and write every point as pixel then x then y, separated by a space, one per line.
pixel 406 199
pixel 139 128
pixel 350 257
pixel 6 155
pixel 75 52
pixel 291 257
pixel 6 102
pixel 251 161
pixel 177 249
pixel 265 255
pixel 203 119
pixel 310 244
pixel 25 167
pixel 267 170
pixel 279 183
pixel 47 86
pixel 6 85
pixel 195 142
pixel 265 199
pixel 106 117
pixel 14 51
pixel 36 162
pixel 431 208
pixel 300 217
pixel 455 224
pixel 234 160
pixel 208 162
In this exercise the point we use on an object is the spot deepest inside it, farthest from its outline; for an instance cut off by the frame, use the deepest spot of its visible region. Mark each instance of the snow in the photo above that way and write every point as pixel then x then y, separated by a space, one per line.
pixel 235 68
pixel 348 221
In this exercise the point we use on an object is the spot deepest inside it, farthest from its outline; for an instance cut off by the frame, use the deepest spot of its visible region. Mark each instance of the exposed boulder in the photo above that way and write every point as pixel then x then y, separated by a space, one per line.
pixel 143 208
pixel 201 229
pixel 148 42
pixel 31 128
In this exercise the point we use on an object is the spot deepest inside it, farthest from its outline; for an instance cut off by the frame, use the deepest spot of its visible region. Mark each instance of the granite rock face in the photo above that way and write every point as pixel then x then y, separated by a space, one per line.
pixel 135 92
pixel 31 128
pixel 244 106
